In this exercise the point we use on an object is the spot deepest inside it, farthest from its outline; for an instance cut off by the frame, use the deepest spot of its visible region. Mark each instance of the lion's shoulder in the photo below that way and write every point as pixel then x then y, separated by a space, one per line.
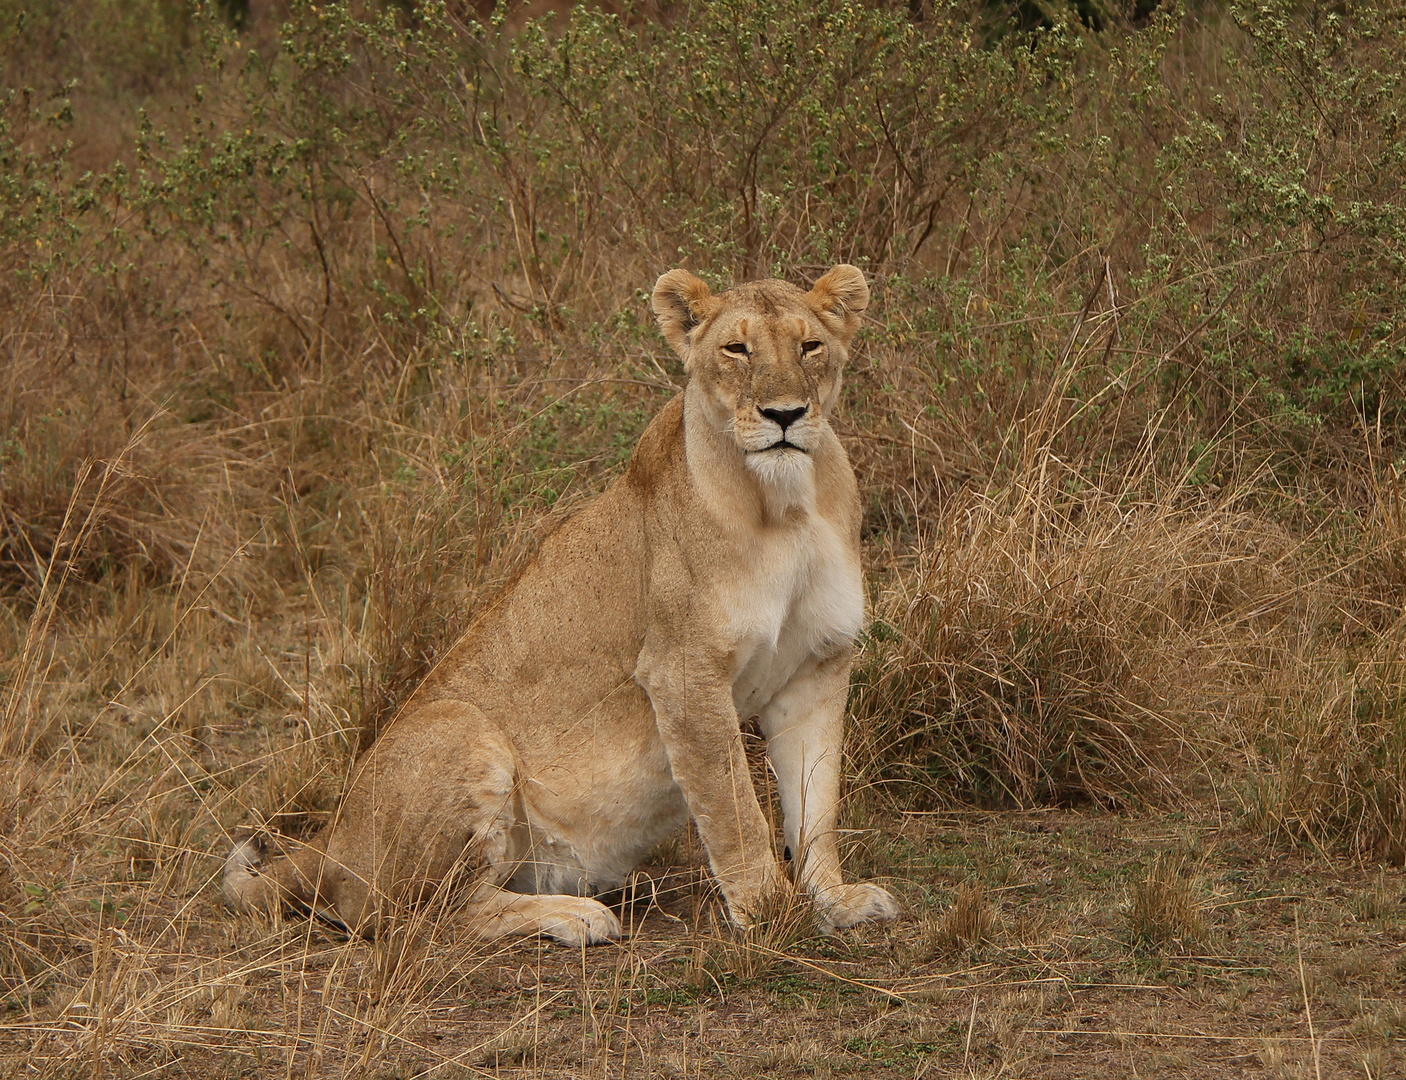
pixel 659 451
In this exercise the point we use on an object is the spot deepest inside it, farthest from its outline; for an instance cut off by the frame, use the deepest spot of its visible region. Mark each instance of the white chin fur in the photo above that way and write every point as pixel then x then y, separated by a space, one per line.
pixel 787 478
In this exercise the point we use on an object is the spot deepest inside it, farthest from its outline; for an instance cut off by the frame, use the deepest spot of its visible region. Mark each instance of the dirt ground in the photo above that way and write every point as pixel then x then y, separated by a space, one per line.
pixel 1052 944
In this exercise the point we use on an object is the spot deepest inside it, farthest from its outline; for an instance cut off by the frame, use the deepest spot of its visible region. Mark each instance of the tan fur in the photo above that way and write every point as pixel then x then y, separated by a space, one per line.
pixel 600 702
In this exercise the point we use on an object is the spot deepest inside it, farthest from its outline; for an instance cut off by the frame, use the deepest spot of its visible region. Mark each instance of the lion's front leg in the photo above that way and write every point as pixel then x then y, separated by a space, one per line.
pixel 692 698
pixel 804 729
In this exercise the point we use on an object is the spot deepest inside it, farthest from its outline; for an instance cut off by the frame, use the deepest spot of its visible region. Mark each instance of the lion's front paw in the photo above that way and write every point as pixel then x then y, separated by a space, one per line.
pixel 842 906
pixel 760 903
pixel 578 920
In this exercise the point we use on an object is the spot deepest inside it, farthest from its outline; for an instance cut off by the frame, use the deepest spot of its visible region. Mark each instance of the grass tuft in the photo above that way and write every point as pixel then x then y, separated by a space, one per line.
pixel 1165 912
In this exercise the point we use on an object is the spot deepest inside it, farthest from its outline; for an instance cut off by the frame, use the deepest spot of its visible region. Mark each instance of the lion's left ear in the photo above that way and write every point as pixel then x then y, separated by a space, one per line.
pixel 839 298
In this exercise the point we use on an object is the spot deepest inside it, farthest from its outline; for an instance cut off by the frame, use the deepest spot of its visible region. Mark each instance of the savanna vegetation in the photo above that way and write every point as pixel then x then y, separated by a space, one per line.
pixel 316 317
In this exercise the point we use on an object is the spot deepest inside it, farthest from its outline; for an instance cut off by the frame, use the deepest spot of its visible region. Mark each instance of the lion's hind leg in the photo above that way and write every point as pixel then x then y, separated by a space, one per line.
pixel 434 805
pixel 433 811
pixel 462 824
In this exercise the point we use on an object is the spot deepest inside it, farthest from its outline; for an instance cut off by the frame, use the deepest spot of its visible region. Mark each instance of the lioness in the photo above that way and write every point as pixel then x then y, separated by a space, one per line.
pixel 601 699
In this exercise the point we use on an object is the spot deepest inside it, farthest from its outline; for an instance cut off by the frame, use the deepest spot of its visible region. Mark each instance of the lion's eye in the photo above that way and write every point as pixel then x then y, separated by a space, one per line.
pixel 808 347
pixel 736 348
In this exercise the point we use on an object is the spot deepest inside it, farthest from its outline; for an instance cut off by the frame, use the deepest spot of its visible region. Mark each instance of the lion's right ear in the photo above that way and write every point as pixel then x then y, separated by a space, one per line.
pixel 681 301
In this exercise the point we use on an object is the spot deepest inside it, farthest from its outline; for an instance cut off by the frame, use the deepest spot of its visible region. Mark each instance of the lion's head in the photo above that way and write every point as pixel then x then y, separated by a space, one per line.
pixel 765 361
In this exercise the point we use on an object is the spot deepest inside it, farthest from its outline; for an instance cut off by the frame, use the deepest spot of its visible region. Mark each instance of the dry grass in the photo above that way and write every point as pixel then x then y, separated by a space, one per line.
pixel 965 926
pixel 297 374
pixel 1165 910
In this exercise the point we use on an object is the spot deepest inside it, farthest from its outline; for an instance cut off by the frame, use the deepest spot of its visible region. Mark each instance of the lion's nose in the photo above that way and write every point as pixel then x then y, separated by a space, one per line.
pixel 784 417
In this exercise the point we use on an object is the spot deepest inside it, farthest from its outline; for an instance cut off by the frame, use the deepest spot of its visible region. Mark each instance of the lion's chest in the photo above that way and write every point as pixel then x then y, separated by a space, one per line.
pixel 801 595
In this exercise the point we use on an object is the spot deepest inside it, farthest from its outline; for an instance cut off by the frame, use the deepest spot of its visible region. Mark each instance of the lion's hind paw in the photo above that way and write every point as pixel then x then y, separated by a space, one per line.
pixel 578 920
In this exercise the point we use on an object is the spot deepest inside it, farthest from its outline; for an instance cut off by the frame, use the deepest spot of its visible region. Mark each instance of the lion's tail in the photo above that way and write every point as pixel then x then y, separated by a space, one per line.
pixel 255 882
